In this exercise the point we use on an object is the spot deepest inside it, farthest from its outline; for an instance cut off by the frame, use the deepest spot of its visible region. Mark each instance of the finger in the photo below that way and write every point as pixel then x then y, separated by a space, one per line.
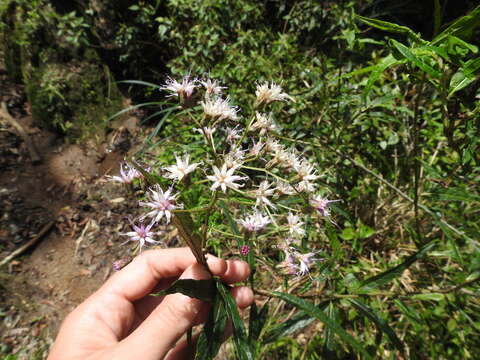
pixel 167 323
pixel 141 276
pixel 237 270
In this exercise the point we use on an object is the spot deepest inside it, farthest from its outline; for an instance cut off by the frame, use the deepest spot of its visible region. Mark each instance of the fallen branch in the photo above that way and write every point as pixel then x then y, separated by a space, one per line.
pixel 21 131
pixel 29 244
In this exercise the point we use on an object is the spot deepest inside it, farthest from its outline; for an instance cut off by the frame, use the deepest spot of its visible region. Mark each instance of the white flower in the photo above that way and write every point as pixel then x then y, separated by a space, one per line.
pixel 207 132
pixel 234 159
pixel 305 261
pixel 321 204
pixel 141 234
pixel 232 134
pixel 212 87
pixel 219 109
pixel 127 174
pixel 262 193
pixel 254 222
pixel 264 123
pixel 162 203
pixel 305 171
pixel 266 93
pixel 224 178
pixel 306 186
pixel 181 169
pixel 284 188
pixel 256 148
pixel 183 89
pixel 272 146
pixel 295 226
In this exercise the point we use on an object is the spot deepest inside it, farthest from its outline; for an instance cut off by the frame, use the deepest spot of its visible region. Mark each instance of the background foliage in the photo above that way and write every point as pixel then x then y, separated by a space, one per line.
pixel 390 110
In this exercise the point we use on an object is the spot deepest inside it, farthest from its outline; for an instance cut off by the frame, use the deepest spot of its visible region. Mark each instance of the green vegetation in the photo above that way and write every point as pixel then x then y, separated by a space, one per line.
pixel 391 115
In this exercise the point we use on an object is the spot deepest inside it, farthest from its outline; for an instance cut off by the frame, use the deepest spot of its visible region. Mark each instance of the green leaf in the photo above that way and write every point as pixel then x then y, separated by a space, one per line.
pixel 390 27
pixel 429 297
pixel 377 71
pixel 139 82
pixel 211 337
pixel 318 313
pixel 396 271
pixel 407 54
pixel 257 322
pixel 381 324
pixel 463 27
pixel 240 340
pixel 198 289
pixel 298 321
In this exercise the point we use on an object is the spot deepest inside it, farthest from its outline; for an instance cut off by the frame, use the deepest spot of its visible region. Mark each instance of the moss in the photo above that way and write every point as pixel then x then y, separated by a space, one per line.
pixel 68 87
pixel 76 98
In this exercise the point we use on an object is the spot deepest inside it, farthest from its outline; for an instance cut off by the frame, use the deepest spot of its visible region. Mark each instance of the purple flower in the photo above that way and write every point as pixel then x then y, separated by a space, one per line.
pixel 321 204
pixel 141 234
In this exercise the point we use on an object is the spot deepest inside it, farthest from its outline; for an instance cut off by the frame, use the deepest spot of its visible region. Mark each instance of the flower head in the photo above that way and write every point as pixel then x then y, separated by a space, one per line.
pixel 127 174
pixel 212 87
pixel 284 188
pixel 256 148
pixel 141 234
pixel 305 171
pixel 181 169
pixel 266 93
pixel 232 134
pixel 183 89
pixel 219 109
pixel 162 203
pixel 295 226
pixel 254 222
pixel 305 261
pixel 264 124
pixel 321 204
pixel 262 193
pixel 224 178
pixel 244 250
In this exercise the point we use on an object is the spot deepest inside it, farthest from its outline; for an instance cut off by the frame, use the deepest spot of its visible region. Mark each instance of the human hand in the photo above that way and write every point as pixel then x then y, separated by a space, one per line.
pixel 121 321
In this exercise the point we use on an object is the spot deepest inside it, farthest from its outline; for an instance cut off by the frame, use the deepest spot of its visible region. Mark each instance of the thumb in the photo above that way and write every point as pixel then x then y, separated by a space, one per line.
pixel 167 323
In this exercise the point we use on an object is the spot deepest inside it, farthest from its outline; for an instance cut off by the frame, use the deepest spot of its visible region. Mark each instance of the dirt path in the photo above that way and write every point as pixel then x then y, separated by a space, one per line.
pixel 39 288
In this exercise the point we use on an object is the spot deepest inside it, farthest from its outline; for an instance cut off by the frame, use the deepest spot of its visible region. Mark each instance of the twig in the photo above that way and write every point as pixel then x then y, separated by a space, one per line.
pixel 29 244
pixel 21 131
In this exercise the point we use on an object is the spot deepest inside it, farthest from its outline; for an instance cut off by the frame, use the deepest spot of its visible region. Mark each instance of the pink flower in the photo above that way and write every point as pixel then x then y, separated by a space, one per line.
pixel 321 204
pixel 127 174
pixel 244 250
pixel 141 234
pixel 162 203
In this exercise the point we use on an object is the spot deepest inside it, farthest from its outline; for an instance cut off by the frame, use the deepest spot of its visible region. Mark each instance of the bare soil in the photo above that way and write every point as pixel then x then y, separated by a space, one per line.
pixel 67 189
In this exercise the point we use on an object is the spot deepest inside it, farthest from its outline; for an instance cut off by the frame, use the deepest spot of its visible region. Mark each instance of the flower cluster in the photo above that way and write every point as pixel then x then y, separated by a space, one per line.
pixel 243 163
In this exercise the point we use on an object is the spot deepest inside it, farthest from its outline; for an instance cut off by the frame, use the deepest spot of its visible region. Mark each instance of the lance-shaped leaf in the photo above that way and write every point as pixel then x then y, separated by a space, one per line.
pixel 298 321
pixel 391 27
pixel 240 340
pixel 257 322
pixel 381 324
pixel 415 60
pixel 199 289
pixel 390 274
pixel 318 313
pixel 212 335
